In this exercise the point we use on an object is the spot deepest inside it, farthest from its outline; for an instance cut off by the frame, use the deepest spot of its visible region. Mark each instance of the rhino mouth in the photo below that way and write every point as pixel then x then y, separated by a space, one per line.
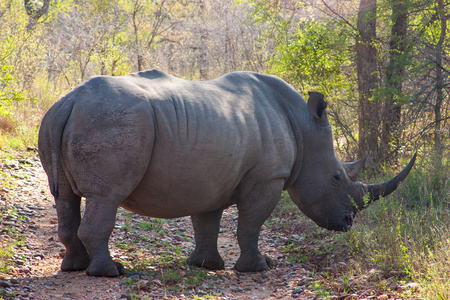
pixel 348 219
pixel 343 224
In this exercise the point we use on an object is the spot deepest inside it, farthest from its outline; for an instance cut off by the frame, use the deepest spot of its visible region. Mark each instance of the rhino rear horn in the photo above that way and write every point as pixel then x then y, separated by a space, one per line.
pixel 376 191
pixel 353 168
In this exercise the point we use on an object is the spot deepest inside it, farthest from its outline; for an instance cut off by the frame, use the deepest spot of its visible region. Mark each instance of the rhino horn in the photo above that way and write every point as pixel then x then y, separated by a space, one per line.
pixel 375 191
pixel 352 168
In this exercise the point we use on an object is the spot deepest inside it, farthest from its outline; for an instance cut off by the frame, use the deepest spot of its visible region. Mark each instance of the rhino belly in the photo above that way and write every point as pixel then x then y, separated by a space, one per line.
pixel 158 202
pixel 182 187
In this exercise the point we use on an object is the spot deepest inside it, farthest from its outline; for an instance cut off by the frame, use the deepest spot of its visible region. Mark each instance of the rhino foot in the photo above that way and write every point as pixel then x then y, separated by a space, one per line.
pixel 253 263
pixel 211 261
pixel 75 262
pixel 107 269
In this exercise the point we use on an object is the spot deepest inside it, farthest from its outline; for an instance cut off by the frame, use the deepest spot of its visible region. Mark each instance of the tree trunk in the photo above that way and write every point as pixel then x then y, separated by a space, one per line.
pixel 390 136
pixel 139 56
pixel 440 11
pixel 35 13
pixel 202 60
pixel 366 67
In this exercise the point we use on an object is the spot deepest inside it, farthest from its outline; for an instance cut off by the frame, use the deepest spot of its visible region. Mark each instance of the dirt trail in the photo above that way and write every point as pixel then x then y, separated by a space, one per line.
pixel 153 250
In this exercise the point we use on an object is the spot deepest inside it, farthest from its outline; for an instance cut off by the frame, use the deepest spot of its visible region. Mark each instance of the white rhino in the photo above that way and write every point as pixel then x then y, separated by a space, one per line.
pixel 165 147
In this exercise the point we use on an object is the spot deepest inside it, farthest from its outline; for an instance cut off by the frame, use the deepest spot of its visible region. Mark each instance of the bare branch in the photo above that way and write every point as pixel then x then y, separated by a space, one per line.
pixel 339 16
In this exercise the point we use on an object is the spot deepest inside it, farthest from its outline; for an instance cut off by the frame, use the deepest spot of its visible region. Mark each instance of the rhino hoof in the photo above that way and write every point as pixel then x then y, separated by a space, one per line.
pixel 253 263
pixel 210 261
pixel 111 269
pixel 75 263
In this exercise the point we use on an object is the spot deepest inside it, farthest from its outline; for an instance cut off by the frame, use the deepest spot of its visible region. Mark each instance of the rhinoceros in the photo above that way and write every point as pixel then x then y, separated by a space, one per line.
pixel 165 147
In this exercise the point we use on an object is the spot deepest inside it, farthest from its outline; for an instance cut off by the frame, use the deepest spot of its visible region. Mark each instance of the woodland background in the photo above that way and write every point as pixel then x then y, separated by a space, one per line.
pixel 382 64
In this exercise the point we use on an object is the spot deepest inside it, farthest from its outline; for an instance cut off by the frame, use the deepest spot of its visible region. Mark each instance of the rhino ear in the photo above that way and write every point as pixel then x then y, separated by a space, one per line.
pixel 317 105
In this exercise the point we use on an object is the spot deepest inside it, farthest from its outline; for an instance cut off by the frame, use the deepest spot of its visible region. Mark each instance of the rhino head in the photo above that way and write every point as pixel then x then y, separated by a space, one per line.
pixel 325 189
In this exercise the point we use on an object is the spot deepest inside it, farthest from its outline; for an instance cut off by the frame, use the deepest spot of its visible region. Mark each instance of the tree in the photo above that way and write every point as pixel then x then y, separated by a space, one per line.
pixel 366 66
pixel 35 11
pixel 201 37
pixel 151 20
pixel 442 16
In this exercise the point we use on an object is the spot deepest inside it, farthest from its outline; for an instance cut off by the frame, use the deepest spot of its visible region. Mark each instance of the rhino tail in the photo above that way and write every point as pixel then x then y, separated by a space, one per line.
pixel 57 125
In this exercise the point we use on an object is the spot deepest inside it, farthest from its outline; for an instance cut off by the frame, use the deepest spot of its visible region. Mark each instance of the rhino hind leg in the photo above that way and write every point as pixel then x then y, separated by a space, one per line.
pixel 95 229
pixel 253 211
pixel 206 228
pixel 68 210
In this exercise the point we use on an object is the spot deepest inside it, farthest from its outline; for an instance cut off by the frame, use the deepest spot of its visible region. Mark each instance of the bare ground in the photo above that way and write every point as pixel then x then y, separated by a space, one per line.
pixel 154 253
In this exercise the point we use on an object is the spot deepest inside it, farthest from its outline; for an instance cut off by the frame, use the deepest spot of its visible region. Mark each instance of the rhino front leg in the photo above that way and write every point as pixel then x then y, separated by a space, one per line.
pixel 253 211
pixel 206 228
pixel 68 210
pixel 96 226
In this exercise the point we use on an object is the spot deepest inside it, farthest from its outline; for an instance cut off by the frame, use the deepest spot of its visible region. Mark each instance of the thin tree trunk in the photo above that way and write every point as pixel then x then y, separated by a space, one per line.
pixel 139 57
pixel 390 137
pixel 439 79
pixel 366 66
pixel 202 55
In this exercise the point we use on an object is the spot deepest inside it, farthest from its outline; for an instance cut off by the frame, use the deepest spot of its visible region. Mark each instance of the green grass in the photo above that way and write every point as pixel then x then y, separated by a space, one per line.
pixel 153 224
pixel 407 235
pixel 6 254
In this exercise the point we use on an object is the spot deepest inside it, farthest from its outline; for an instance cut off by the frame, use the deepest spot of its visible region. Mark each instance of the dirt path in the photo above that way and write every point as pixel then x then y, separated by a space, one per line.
pixel 153 250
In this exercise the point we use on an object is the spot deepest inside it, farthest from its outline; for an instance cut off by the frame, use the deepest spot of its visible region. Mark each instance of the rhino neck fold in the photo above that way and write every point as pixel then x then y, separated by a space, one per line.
pixel 298 142
pixel 295 170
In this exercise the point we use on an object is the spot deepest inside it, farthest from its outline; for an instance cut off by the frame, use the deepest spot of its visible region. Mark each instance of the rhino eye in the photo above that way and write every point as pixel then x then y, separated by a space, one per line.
pixel 337 177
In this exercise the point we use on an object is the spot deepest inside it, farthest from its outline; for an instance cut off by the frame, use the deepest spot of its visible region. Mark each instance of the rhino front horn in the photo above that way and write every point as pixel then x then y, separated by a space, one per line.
pixel 376 191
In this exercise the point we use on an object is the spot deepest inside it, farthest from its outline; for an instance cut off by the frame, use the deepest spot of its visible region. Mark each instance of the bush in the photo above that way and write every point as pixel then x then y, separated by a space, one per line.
pixel 18 119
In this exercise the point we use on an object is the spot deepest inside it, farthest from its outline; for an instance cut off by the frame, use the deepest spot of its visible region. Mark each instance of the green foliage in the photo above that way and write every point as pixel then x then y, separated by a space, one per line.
pixel 9 96
pixel 270 13
pixel 19 55
pixel 316 57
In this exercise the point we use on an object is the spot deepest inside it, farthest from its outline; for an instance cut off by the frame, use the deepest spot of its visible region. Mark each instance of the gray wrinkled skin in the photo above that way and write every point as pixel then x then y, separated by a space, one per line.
pixel 165 147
